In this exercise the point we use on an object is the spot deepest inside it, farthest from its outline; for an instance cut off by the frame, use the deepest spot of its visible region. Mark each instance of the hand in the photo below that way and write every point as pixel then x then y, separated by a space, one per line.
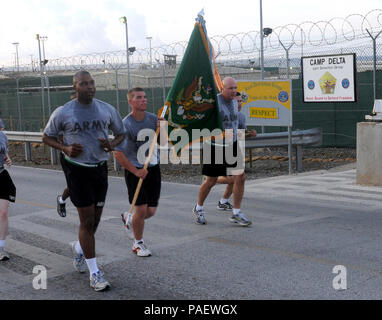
pixel 8 161
pixel 159 120
pixel 72 150
pixel 141 173
pixel 105 145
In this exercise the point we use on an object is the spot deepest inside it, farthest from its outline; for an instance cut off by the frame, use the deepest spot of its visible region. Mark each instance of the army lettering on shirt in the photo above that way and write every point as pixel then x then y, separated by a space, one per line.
pixel 229 114
pixel 3 149
pixel 84 124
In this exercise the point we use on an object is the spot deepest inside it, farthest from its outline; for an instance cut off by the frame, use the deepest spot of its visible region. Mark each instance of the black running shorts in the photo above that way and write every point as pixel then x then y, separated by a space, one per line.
pixel 213 169
pixel 87 186
pixel 150 189
pixel 7 188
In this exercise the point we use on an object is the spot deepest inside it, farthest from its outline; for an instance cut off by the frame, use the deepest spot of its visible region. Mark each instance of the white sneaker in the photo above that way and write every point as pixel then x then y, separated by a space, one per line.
pixel 199 216
pixel 240 219
pixel 141 250
pixel 98 282
pixel 3 255
pixel 126 218
pixel 79 262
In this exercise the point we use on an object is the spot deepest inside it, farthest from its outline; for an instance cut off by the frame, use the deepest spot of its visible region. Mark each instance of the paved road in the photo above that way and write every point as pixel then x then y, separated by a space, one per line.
pixel 304 226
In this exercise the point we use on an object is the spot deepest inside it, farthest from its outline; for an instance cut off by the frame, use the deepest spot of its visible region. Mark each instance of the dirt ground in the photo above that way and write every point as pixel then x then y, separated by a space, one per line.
pixel 267 162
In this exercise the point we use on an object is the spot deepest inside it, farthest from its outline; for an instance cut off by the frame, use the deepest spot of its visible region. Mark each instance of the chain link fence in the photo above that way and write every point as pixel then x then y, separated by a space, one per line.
pixel 27 99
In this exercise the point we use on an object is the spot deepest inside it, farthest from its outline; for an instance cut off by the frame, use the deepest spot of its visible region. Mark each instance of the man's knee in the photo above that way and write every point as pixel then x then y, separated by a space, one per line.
pixel 240 178
pixel 3 214
pixel 210 181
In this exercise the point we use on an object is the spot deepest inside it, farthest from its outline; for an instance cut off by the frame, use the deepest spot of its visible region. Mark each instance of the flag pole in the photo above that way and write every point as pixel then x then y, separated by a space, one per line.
pixel 151 150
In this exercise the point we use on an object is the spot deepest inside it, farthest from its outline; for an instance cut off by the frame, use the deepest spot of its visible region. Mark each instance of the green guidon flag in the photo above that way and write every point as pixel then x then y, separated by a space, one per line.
pixel 192 99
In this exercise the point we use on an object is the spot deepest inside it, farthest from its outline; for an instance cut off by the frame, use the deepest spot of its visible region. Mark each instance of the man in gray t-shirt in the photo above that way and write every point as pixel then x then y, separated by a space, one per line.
pixel 131 155
pixel 84 123
pixel 229 114
pixel 224 204
pixel 7 191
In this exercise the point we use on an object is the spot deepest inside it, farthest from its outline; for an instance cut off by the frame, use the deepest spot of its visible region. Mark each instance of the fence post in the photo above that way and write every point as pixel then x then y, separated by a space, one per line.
pixel 28 151
pixel 374 62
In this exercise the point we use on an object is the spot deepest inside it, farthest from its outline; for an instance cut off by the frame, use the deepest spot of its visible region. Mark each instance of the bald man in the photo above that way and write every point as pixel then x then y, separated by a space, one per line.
pixel 228 107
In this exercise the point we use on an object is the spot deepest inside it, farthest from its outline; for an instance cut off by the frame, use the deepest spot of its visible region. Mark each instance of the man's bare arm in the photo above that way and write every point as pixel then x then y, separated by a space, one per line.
pixel 72 150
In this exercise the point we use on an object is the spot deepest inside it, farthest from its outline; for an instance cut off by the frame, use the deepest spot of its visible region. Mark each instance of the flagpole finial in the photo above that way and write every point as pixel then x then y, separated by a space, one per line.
pixel 200 17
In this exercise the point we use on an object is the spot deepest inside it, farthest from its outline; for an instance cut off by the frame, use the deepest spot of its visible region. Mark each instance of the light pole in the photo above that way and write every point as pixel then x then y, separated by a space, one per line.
pixel 43 39
pixel 16 44
pixel 124 21
pixel 151 58
pixel 42 80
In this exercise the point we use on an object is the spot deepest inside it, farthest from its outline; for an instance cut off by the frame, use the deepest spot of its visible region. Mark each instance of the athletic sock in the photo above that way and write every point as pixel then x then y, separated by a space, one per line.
pixel 78 248
pixel 2 243
pixel 138 241
pixel 236 211
pixel 92 265
pixel 199 208
pixel 223 201
pixel 60 200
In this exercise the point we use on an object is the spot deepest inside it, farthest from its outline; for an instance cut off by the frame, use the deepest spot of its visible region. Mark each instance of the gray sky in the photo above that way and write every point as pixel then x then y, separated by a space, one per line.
pixel 86 26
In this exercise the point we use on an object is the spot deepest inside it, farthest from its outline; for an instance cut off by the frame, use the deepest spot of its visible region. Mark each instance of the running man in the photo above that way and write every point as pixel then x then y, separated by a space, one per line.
pixel 128 156
pixel 7 191
pixel 85 123
pixel 228 107
pixel 223 203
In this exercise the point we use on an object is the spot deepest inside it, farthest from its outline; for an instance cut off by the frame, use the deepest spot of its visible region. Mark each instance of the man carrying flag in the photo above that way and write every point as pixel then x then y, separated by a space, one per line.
pixel 229 112
pixel 193 103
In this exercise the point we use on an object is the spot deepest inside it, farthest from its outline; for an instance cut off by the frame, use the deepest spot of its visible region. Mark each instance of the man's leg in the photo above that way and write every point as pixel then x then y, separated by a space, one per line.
pixel 223 203
pixel 238 190
pixel 65 194
pixel 205 189
pixel 61 205
pixel 3 227
pixel 142 212
pixel 89 220
pixel 87 228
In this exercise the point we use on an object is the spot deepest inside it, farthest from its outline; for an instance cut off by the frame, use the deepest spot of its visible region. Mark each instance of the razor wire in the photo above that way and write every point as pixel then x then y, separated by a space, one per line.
pixel 306 38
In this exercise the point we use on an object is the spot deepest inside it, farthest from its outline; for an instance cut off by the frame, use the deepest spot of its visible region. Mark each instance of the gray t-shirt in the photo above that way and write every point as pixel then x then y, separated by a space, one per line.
pixel 229 114
pixel 139 134
pixel 241 117
pixel 84 124
pixel 3 149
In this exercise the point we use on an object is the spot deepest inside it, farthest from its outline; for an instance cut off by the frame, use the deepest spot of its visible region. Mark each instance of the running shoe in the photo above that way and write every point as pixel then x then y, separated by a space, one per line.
pixel 224 206
pixel 61 208
pixel 141 250
pixel 98 282
pixel 199 216
pixel 240 219
pixel 3 255
pixel 79 261
pixel 126 216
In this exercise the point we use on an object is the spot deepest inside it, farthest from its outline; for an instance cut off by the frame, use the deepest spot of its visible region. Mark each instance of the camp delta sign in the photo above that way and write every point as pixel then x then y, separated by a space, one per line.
pixel 329 78
pixel 266 102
